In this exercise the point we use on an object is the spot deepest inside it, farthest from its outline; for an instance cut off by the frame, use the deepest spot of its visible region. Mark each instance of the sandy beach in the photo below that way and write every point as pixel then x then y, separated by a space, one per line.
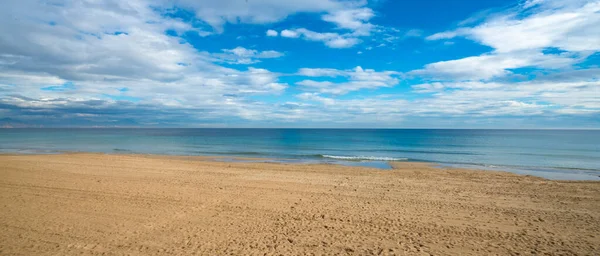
pixel 144 205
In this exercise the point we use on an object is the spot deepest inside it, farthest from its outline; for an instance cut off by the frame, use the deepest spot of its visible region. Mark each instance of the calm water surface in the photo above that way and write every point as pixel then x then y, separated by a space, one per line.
pixel 555 154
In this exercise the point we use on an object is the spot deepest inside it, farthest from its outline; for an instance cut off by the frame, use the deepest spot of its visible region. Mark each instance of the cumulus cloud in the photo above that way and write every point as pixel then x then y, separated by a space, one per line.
pixel 271 32
pixel 570 25
pixel 83 41
pixel 318 72
pixel 217 13
pixel 308 96
pixel 340 42
pixel 551 36
pixel 118 52
pixel 289 33
pixel 488 66
pixel 352 19
pixel 241 55
pixel 357 79
pixel 126 63
pixel 521 37
pixel 332 40
pixel 536 96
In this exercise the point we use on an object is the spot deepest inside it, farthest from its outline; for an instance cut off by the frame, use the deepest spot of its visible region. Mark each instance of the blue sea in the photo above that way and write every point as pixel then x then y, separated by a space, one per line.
pixel 553 154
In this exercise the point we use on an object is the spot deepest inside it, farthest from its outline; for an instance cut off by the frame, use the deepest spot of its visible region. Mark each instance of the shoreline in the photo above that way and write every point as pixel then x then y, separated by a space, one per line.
pixel 556 174
pixel 153 205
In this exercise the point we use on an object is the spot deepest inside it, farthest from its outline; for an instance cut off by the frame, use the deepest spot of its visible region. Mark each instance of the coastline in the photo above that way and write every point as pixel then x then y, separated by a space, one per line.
pixel 552 154
pixel 384 163
pixel 159 204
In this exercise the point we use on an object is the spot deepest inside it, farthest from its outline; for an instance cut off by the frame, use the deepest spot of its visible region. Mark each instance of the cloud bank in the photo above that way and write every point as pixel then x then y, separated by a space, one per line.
pixel 173 63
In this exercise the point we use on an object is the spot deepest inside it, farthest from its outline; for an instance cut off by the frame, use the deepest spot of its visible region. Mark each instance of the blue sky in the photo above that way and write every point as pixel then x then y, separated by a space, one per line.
pixel 309 63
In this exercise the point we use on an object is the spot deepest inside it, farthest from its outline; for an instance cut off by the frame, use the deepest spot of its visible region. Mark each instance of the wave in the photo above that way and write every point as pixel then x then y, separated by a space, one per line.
pixel 517 167
pixel 426 151
pixel 369 158
pixel 556 155
pixel 233 153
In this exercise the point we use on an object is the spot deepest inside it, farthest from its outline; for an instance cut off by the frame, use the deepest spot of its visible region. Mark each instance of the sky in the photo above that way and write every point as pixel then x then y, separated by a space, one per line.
pixel 300 63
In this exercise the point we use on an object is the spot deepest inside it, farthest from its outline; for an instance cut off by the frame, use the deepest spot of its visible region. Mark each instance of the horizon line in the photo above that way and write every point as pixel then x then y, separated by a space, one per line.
pixel 299 128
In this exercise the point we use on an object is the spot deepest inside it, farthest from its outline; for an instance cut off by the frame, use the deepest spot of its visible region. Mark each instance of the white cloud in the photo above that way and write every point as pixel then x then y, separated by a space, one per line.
pixel 445 35
pixel 571 26
pixel 488 66
pixel 549 95
pixel 352 19
pixel 530 3
pixel 106 46
pixel 357 79
pixel 413 33
pixel 388 36
pixel 271 32
pixel 340 42
pixel 95 46
pixel 441 86
pixel 353 22
pixel 241 52
pixel 217 13
pixel 241 55
pixel 332 40
pixel 347 14
pixel 316 36
pixel 321 72
pixel 269 54
pixel 307 96
pixel 289 33
pixel 520 38
pixel 318 84
pixel 112 59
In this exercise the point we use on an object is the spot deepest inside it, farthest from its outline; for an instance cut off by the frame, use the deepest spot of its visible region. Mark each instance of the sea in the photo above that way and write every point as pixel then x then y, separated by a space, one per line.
pixel 552 154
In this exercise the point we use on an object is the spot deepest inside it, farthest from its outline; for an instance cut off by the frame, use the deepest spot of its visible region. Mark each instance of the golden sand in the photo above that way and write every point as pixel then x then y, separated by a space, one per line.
pixel 143 205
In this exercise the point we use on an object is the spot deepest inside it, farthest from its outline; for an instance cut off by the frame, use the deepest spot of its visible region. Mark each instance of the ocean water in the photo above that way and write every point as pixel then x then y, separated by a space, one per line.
pixel 554 154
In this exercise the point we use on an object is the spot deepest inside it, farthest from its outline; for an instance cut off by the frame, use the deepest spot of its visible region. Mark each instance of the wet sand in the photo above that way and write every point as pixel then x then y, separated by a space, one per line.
pixel 144 205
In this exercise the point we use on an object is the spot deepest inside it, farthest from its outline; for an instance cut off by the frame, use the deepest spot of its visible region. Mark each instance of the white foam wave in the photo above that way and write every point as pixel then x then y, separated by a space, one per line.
pixel 370 158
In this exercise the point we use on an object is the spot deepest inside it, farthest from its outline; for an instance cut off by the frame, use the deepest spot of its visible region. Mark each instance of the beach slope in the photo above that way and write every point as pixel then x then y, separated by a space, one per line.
pixel 143 205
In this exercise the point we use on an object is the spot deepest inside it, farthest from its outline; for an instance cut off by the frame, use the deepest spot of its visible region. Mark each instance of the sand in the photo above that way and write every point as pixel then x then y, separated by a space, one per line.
pixel 95 204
